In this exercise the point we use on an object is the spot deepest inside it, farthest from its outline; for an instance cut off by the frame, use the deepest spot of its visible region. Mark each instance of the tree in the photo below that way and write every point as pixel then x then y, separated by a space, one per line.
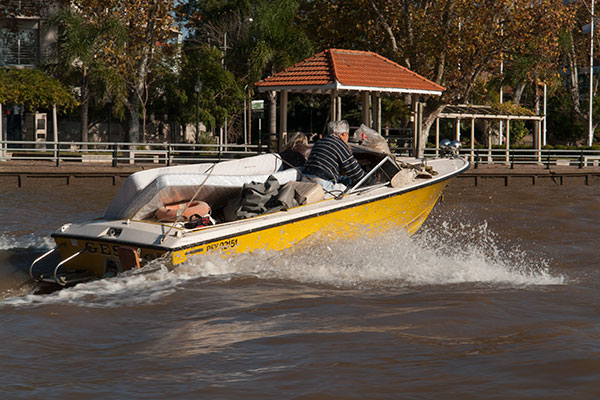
pixel 34 89
pixel 456 43
pixel 148 26
pixel 271 42
pixel 276 42
pixel 221 94
pixel 575 46
pixel 79 51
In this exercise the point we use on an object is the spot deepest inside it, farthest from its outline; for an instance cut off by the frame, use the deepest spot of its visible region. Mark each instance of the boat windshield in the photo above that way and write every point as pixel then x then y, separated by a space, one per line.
pixel 382 173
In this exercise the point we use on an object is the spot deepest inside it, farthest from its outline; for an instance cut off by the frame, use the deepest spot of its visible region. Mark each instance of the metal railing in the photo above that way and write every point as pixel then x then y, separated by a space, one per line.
pixel 120 153
pixel 546 157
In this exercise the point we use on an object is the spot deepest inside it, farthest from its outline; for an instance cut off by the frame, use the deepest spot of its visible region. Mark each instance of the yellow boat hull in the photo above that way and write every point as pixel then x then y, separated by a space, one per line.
pixel 405 211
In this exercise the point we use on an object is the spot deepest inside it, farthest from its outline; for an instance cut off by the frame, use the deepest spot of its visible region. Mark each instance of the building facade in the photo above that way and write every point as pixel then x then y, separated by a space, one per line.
pixel 25 38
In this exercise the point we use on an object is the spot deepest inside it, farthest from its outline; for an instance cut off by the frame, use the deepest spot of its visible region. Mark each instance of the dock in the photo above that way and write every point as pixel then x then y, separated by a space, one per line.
pixel 530 175
pixel 27 173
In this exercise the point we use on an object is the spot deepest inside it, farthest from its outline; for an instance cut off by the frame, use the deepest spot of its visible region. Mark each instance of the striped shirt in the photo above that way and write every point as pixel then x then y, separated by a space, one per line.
pixel 331 157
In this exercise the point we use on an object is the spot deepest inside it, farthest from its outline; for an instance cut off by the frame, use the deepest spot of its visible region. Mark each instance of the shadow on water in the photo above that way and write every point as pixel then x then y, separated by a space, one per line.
pixel 14 272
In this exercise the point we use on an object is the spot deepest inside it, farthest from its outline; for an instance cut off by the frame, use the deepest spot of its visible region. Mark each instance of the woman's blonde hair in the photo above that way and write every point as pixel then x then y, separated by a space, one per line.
pixel 295 140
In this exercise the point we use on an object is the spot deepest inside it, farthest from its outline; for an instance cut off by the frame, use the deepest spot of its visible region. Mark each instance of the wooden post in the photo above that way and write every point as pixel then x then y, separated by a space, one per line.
pixel 437 137
pixel 415 116
pixel 333 105
pixel 457 126
pixel 283 120
pixel 421 141
pixel 365 109
pixel 378 113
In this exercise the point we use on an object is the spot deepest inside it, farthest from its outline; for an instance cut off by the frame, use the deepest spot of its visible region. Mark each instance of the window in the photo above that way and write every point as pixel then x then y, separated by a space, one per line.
pixel 19 47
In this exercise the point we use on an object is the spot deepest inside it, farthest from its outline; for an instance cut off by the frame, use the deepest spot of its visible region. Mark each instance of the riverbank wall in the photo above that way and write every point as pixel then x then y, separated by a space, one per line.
pixel 27 173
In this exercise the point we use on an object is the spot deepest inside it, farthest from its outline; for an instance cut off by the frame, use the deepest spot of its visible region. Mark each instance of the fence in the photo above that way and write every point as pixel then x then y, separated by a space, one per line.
pixel 512 157
pixel 124 153
pixel 181 153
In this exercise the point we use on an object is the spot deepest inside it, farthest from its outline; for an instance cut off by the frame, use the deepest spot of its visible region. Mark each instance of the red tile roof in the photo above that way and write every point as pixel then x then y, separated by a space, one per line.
pixel 350 70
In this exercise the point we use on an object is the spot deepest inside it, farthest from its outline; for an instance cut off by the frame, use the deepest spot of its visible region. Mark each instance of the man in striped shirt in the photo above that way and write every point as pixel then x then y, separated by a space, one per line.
pixel 331 161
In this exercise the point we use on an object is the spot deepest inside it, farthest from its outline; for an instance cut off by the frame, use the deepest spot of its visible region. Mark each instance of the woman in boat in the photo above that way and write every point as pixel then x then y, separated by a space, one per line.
pixel 331 161
pixel 296 151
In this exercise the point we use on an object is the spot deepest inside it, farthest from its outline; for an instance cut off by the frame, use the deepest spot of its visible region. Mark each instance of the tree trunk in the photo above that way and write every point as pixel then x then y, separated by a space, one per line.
pixel 133 118
pixel 536 109
pixel 430 113
pixel 574 81
pixel 519 92
pixel 386 26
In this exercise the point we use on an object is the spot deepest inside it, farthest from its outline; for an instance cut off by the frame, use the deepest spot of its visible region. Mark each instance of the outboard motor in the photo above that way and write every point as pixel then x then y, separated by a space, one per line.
pixel 450 148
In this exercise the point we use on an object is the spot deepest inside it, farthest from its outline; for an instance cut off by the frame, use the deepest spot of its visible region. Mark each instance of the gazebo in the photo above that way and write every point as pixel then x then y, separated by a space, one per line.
pixel 339 73
pixel 475 112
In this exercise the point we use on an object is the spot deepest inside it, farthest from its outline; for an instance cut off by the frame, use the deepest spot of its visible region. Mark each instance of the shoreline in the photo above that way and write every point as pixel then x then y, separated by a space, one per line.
pixel 24 173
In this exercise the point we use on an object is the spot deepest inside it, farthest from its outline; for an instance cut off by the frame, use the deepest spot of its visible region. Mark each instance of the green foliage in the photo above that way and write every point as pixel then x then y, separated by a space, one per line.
pixel 221 94
pixel 394 112
pixel 34 89
pixel 512 108
pixel 275 40
pixel 206 138
pixel 518 131
pixel 563 124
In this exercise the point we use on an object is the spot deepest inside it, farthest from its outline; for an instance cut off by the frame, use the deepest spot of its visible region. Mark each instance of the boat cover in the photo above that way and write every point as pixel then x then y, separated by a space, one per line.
pixel 146 191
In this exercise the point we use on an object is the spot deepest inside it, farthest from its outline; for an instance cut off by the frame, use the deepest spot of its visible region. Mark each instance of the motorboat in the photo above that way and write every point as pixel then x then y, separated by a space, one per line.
pixel 182 212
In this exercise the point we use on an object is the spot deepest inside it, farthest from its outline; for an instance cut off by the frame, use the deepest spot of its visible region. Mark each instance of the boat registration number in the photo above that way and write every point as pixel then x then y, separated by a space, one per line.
pixel 102 248
pixel 222 245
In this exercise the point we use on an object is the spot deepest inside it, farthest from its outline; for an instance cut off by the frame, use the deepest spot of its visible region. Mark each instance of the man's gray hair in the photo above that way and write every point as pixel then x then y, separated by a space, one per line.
pixel 338 127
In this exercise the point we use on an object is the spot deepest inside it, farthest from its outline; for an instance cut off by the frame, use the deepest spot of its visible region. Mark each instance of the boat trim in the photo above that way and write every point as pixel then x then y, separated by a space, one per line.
pixel 274 225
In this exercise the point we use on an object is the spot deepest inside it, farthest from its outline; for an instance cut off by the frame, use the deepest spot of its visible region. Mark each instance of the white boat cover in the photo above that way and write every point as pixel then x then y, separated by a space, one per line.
pixel 146 191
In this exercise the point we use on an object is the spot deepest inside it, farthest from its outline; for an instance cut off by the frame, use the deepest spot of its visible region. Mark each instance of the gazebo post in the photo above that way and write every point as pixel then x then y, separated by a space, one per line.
pixel 333 105
pixel 339 108
pixel 507 141
pixel 377 112
pixel 415 118
pixel 437 137
pixel 365 108
pixel 421 141
pixel 457 136
pixel 283 109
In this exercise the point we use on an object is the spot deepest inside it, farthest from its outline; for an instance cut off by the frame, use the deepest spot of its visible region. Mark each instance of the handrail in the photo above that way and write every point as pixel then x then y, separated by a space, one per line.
pixel 40 258
pixel 116 153
pixel 61 282
pixel 122 152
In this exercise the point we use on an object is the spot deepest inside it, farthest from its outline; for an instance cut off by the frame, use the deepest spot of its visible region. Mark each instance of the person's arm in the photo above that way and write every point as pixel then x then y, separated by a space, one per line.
pixel 350 166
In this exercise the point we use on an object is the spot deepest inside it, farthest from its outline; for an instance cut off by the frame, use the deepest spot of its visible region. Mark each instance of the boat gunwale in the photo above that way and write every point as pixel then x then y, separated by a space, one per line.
pixel 250 230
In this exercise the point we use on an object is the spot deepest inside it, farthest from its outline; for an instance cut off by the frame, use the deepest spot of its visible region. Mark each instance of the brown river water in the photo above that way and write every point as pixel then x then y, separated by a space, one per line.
pixel 496 297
